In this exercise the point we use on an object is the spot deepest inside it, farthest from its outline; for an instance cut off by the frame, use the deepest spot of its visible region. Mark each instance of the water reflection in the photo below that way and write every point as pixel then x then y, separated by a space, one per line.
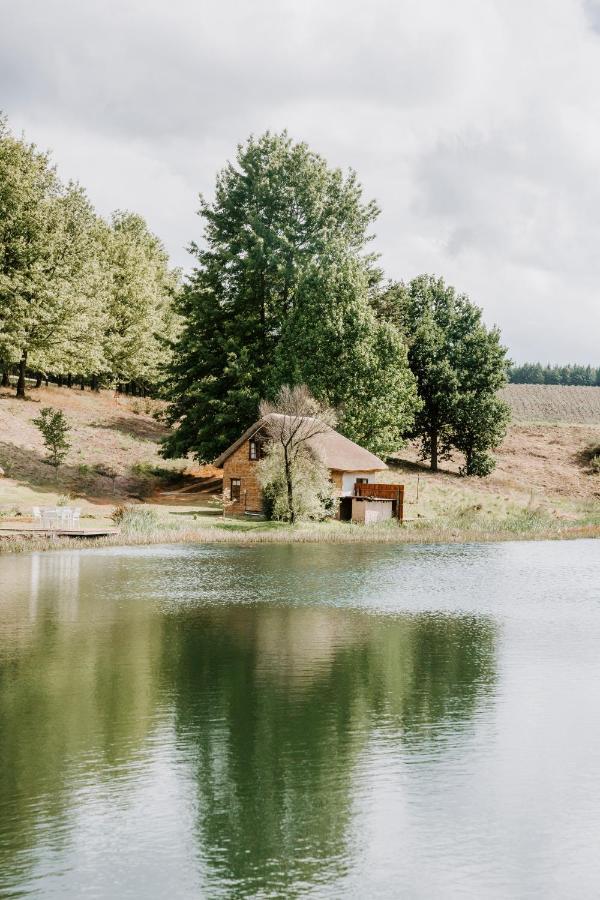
pixel 117 667
pixel 274 706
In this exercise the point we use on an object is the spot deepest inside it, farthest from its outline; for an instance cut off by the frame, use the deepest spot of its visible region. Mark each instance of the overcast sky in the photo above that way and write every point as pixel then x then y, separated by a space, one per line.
pixel 474 123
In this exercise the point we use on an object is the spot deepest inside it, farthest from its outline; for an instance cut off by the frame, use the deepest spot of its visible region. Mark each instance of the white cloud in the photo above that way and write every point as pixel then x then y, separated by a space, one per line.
pixel 476 124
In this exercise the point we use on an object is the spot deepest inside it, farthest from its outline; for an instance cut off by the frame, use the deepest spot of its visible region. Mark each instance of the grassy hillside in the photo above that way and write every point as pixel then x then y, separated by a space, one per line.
pixel 544 483
pixel 113 458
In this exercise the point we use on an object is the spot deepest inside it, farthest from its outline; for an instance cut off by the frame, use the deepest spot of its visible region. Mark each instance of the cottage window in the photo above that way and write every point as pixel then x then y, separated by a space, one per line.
pixel 255 451
pixel 362 481
pixel 236 489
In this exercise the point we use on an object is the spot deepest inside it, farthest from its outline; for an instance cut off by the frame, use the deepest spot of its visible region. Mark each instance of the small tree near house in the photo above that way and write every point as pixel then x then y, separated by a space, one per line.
pixel 54 429
pixel 294 478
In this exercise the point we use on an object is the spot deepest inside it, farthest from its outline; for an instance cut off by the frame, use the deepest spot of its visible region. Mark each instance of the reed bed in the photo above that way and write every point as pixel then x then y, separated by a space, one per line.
pixel 334 533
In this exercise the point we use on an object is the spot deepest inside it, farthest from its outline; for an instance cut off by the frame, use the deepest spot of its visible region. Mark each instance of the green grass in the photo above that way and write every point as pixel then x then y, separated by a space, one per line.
pixel 526 525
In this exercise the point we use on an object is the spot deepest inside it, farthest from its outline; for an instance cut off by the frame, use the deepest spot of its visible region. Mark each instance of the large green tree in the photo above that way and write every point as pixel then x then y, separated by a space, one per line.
pixel 51 303
pixel 140 318
pixel 459 366
pixel 77 295
pixel 268 238
pixel 333 342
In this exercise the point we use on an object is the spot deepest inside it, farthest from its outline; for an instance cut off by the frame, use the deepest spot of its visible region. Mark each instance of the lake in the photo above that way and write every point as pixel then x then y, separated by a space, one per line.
pixel 301 721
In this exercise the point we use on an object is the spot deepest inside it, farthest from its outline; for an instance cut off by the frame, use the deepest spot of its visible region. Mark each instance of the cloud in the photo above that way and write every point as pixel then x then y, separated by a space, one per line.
pixel 475 124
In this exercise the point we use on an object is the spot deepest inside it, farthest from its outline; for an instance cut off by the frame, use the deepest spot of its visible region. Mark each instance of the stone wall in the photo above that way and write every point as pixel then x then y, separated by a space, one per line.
pixel 239 465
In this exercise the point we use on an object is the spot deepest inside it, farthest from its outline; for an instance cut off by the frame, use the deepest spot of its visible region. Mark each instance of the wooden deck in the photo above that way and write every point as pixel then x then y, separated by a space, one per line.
pixel 59 532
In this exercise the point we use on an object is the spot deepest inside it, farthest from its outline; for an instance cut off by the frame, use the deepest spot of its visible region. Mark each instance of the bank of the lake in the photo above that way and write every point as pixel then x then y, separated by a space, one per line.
pixel 530 528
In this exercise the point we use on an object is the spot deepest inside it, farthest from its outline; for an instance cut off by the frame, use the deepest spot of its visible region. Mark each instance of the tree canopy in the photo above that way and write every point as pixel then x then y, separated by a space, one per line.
pixel 77 294
pixel 571 374
pixel 280 294
pixel 459 365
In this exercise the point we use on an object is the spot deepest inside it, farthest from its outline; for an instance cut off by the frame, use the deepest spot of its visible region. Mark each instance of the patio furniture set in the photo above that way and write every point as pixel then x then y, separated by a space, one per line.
pixel 57 517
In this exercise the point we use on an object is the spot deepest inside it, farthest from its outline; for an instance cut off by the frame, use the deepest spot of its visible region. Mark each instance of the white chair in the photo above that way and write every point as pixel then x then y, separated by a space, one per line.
pixel 49 516
pixel 75 518
pixel 37 515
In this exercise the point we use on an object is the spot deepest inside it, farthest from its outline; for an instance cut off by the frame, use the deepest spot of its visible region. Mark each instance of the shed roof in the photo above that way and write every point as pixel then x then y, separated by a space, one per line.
pixel 337 451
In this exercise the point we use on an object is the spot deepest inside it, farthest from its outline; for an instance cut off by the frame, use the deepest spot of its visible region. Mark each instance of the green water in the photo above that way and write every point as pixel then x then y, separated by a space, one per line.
pixel 301 721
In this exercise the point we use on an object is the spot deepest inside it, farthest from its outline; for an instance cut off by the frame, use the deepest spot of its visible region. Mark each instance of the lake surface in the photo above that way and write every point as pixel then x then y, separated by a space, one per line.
pixel 301 721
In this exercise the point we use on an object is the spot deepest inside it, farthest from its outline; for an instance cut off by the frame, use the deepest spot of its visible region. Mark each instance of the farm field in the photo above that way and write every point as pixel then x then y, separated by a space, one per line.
pixel 553 403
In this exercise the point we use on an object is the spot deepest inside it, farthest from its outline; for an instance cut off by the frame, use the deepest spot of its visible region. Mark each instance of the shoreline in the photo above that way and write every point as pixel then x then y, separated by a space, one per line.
pixel 298 535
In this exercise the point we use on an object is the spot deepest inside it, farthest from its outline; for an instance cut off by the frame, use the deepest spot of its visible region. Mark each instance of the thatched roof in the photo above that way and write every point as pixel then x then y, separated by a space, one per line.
pixel 336 451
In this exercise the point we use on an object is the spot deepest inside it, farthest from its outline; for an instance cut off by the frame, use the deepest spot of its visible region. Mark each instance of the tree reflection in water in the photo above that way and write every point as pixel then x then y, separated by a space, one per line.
pixel 266 706
pixel 275 704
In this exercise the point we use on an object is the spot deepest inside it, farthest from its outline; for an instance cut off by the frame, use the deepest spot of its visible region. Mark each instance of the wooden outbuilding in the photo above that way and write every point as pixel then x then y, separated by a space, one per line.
pixel 353 471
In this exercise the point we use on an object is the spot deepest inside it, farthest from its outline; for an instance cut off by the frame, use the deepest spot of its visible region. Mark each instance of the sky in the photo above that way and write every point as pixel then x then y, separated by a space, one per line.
pixel 475 124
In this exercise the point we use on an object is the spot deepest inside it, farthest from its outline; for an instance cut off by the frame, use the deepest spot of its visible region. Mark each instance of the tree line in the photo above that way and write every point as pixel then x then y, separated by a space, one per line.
pixel 82 299
pixel 286 291
pixel 536 373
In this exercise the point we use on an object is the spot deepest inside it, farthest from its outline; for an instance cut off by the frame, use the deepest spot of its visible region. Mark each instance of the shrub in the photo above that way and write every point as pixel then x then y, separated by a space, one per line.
pixel 147 470
pixel 595 464
pixel 480 464
pixel 136 519
pixel 54 429
pixel 105 471
pixel 312 490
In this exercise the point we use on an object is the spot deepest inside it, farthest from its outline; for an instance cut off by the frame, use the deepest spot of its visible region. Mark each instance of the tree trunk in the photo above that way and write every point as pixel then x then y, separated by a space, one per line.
pixel 47 380
pixel 38 380
pixel 434 450
pixel 5 378
pixel 82 383
pixel 290 489
pixel 59 380
pixel 21 378
pixel 94 384
pixel 468 461
pixel 69 380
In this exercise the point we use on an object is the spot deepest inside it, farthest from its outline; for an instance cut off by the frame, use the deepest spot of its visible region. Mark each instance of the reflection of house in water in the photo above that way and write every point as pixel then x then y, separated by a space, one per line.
pixel 297 645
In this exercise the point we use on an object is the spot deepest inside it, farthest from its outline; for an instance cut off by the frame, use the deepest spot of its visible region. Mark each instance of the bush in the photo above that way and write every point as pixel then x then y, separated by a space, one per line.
pixel 480 464
pixel 595 464
pixel 147 470
pixel 136 519
pixel 54 429
pixel 105 471
pixel 312 490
